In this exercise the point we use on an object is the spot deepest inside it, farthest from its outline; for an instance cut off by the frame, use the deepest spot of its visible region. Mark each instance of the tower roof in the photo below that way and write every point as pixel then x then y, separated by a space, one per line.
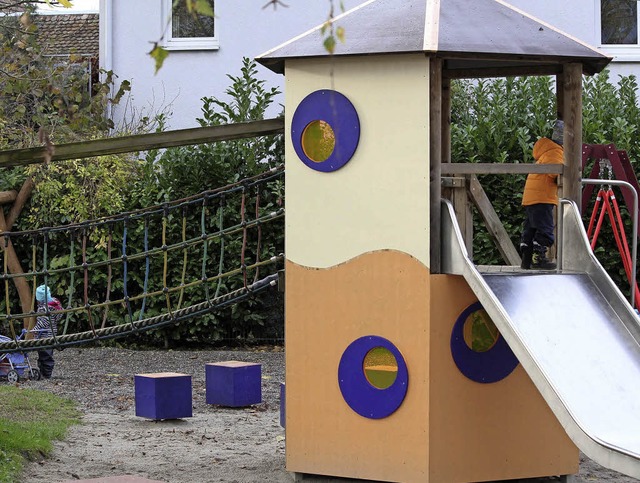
pixel 476 38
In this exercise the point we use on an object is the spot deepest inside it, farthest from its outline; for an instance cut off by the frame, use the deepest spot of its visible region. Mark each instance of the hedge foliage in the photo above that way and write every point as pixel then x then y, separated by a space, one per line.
pixel 74 191
pixel 499 120
pixel 493 121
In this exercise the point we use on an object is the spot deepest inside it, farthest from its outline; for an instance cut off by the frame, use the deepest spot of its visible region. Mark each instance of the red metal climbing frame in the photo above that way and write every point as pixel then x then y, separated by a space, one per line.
pixel 610 162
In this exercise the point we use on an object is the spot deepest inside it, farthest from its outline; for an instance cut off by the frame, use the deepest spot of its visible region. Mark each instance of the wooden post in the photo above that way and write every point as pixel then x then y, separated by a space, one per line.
pixel 21 200
pixel 572 115
pixel 14 267
pixel 458 195
pixel 560 96
pixel 559 115
pixel 461 203
pixel 435 159
pixel 446 121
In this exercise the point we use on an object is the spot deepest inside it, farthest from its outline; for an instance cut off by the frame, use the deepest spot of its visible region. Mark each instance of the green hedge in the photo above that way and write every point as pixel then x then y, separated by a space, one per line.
pixel 499 120
pixel 493 121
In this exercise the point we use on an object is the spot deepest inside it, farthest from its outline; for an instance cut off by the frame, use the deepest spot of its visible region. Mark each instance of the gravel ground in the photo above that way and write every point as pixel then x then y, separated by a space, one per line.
pixel 217 444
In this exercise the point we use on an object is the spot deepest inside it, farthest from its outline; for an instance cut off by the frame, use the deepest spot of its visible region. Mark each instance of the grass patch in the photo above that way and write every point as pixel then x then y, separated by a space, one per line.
pixel 29 421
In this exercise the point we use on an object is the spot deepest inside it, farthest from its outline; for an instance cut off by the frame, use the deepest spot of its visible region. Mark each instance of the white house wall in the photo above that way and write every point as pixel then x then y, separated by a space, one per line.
pixel 244 29
pixel 581 19
pixel 575 17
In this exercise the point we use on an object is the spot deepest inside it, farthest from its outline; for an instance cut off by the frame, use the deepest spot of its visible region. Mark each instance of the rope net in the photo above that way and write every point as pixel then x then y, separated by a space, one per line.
pixel 149 268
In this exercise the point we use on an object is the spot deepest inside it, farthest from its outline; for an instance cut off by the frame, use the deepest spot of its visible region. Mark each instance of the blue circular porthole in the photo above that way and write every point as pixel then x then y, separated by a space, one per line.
pixel 325 130
pixel 373 377
pixel 478 349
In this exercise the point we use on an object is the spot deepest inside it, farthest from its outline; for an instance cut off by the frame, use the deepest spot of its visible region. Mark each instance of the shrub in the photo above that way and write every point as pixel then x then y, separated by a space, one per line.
pixel 499 120
pixel 180 172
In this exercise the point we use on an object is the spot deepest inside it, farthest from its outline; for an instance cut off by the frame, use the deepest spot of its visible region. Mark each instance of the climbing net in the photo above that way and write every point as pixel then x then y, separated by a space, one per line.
pixel 154 267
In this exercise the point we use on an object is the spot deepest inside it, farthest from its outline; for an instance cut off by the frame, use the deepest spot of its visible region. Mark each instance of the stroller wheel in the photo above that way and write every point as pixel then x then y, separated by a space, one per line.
pixel 35 375
pixel 12 376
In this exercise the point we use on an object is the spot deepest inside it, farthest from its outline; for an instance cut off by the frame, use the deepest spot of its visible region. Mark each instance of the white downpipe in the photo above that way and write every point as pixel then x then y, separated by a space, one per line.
pixel 106 40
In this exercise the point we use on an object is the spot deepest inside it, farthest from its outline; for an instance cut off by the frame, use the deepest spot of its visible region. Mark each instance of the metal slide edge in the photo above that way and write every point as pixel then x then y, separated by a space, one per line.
pixel 455 261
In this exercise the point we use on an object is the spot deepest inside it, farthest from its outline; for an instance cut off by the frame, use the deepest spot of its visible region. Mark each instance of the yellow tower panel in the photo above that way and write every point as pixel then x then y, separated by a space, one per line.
pixel 367 204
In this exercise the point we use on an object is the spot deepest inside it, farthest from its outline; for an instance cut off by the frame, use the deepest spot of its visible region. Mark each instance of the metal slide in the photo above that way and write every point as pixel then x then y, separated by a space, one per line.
pixel 574 333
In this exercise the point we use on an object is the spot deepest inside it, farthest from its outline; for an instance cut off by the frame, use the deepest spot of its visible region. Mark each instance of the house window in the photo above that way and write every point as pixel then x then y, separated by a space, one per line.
pixel 186 32
pixel 619 29
pixel 619 22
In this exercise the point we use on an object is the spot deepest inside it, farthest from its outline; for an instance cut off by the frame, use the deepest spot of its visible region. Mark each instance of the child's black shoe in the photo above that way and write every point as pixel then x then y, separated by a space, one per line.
pixel 539 261
pixel 526 252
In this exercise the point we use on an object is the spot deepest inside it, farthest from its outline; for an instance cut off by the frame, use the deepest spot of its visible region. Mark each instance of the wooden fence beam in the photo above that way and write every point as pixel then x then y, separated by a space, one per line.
pixel 143 142
pixel 7 196
pixel 453 169
pixel 493 223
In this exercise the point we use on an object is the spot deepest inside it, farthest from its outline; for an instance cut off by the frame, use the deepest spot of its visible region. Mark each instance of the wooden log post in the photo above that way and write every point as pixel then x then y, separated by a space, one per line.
pixel 455 189
pixel 20 201
pixel 572 116
pixel 446 121
pixel 14 267
pixel 560 95
pixel 13 263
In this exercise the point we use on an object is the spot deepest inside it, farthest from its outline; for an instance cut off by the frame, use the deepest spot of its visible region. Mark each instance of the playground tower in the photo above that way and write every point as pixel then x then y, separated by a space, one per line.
pixel 383 380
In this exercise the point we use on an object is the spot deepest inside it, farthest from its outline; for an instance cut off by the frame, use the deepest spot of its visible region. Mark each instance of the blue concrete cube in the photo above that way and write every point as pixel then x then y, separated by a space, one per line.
pixel 163 395
pixel 233 383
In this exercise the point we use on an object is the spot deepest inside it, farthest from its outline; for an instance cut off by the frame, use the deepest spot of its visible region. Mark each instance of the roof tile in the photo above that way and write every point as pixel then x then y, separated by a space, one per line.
pixel 69 33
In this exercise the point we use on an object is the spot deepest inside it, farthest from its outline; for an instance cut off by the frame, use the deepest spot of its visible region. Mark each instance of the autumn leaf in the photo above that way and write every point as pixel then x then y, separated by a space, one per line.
pixel 25 20
pixel 158 54
pixel 203 7
pixel 330 44
pixel 340 34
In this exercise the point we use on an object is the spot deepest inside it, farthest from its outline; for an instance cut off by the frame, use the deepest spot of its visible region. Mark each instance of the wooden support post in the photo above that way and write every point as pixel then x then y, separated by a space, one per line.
pixel 560 96
pixel 572 116
pixel 21 200
pixel 14 267
pixel 464 214
pixel 455 190
pixel 446 121
pixel 435 159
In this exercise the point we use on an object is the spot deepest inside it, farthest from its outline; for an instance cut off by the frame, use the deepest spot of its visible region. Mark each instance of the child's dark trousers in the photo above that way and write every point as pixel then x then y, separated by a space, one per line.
pixel 538 226
pixel 45 362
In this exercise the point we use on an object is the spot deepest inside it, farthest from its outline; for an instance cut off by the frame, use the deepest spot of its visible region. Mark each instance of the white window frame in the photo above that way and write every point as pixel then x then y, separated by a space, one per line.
pixel 183 43
pixel 619 52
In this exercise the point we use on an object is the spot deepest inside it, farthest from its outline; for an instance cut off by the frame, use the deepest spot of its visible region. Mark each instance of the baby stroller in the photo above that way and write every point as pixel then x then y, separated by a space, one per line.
pixel 16 365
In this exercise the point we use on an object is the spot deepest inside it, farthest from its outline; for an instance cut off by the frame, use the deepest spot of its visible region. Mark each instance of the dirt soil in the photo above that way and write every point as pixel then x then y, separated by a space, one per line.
pixel 217 444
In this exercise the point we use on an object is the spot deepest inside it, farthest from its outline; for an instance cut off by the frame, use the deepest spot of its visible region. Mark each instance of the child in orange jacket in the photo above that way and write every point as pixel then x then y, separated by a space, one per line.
pixel 539 198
